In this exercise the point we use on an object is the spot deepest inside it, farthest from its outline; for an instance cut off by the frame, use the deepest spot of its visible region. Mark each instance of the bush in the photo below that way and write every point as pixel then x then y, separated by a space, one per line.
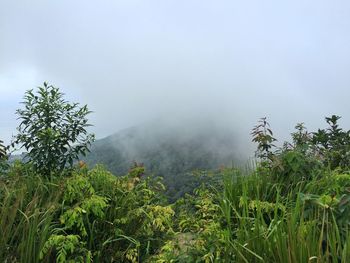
pixel 52 130
pixel 333 144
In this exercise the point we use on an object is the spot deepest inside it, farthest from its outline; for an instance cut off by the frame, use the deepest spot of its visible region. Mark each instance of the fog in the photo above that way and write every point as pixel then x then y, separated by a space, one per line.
pixel 139 61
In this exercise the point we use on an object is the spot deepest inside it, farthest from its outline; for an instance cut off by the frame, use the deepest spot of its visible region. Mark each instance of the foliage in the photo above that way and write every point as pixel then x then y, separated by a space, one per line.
pixel 68 249
pixel 89 215
pixel 333 144
pixel 52 130
pixel 2 150
pixel 27 210
pixel 3 157
pixel 262 134
pixel 174 154
pixel 199 236
pixel 292 206
pixel 301 138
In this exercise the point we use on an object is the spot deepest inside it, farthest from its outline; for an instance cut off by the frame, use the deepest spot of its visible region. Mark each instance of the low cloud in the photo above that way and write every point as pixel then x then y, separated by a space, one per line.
pixel 136 61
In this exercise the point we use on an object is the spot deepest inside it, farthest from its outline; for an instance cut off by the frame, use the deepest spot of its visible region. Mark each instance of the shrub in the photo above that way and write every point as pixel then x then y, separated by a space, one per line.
pixel 52 130
pixel 333 144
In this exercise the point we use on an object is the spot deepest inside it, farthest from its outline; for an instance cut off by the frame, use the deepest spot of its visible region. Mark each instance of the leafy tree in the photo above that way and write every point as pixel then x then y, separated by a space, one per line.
pixel 52 130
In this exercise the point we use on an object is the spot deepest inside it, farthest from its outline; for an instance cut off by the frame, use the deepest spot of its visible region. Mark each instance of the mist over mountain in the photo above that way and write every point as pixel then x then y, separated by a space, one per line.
pixel 171 150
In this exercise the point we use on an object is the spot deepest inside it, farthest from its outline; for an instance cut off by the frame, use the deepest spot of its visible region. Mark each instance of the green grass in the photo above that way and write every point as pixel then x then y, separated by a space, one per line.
pixel 267 225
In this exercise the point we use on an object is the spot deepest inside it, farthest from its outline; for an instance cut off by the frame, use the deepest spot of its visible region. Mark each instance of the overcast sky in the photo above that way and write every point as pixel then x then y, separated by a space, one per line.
pixel 134 61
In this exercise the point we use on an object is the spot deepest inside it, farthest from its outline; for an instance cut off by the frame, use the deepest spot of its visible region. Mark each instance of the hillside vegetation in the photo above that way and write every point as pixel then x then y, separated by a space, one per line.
pixel 293 205
pixel 172 151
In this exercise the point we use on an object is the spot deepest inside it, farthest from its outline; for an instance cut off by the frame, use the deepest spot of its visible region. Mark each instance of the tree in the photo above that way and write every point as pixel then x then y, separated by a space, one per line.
pixel 52 130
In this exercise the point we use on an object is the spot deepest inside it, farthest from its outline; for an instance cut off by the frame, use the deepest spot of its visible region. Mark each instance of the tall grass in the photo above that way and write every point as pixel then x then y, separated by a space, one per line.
pixel 265 225
pixel 27 210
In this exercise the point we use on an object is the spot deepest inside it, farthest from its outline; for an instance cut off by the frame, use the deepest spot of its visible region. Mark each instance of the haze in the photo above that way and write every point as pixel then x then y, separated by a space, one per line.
pixel 136 61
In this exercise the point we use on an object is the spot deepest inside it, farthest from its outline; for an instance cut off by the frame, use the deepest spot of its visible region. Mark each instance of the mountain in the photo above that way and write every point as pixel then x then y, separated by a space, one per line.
pixel 169 149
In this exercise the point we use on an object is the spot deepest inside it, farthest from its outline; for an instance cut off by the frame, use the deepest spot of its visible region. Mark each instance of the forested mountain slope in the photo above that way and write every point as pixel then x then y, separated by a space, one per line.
pixel 172 151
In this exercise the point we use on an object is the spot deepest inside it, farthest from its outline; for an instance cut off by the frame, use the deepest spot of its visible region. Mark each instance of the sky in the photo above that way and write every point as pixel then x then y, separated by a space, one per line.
pixel 135 61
